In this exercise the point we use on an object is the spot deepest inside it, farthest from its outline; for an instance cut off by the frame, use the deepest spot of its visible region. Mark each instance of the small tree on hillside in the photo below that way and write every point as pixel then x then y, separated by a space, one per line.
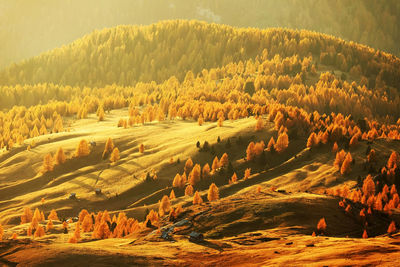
pixel 205 173
pixel 393 160
pixel 53 215
pixel 60 156
pixel 335 148
pixel 247 174
pixel 172 194
pixel 87 223
pixel 141 148
pixel 197 200
pixel 271 145
pixel 189 190
pixel 346 166
pixel 223 162
pixel 100 113
pixel 392 228
pixel 165 206
pixel 194 176
pixel 82 149
pixel 215 164
pixel 368 187
pixel 213 193
pixel 259 124
pixel 321 226
pixel 115 155
pixel 108 148
pixel 188 166
pixel 48 163
pixel 282 142
pixel 250 151
pixel 312 140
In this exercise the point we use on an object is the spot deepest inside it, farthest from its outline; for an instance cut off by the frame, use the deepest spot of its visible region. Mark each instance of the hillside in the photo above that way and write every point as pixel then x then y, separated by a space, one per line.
pixel 127 144
pixel 43 25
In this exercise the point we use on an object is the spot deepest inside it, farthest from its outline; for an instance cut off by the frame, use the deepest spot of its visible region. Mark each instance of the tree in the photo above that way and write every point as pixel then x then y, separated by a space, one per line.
pixel 368 187
pixel 177 181
pixel 1 232
pixel 100 113
pixel 26 216
pixel 82 215
pixel 340 157
pixel 393 160
pixel 346 166
pixel 82 149
pixel 39 231
pixel 259 124
pixel 172 195
pixel 60 156
pixel 392 228
pixel 213 193
pixel 247 174
pixel 53 215
pixel 189 190
pixel 197 200
pixel 77 232
pixel 233 178
pixel 223 162
pixel 48 163
pixel 141 148
pixel 365 235
pixel 250 151
pixel 205 173
pixel 87 223
pixel 312 140
pixel 49 225
pixel 194 176
pixel 108 148
pixel 188 166
pixel 165 206
pixel 215 164
pixel 282 142
pixel 102 231
pixel 321 226
pixel 115 155
pixel 271 145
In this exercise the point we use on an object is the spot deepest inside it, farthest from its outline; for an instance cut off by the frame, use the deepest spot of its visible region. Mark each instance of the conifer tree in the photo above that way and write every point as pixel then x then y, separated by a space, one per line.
pixel 213 193
pixel 82 149
pixel 165 206
pixel 48 163
pixel 197 200
pixel 115 155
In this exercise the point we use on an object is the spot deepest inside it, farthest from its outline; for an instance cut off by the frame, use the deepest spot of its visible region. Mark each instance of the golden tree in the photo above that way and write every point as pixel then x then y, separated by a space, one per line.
pixel 321 226
pixel 77 232
pixel 188 166
pixel 60 156
pixel 53 215
pixel 368 187
pixel 165 206
pixel 393 160
pixel 371 156
pixel 172 195
pixel 247 173
pixel 87 223
pixel 223 162
pixel 233 178
pixel 100 113
pixel 115 155
pixel 49 225
pixel 250 151
pixel 197 200
pixel 282 142
pixel 108 148
pixel 1 232
pixel 312 140
pixel 189 190
pixel 26 216
pixel 48 163
pixel 346 166
pixel 194 176
pixel 177 181
pixel 39 231
pixel 141 148
pixel 205 173
pixel 215 164
pixel 340 157
pixel 82 149
pixel 392 228
pixel 213 193
pixel 365 235
pixel 271 144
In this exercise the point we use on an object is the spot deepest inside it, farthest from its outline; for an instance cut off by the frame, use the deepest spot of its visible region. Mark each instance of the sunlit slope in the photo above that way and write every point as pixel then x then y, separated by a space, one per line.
pixel 127 54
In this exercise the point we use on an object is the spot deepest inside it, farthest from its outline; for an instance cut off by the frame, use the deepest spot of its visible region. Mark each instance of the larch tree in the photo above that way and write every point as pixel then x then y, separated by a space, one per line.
pixel 205 173
pixel 365 235
pixel 371 156
pixel 189 190
pixel 87 223
pixel 115 155
pixel 197 200
pixel 177 181
pixel 247 173
pixel 194 176
pixel 368 187
pixel 48 163
pixel 346 166
pixel 233 178
pixel 82 149
pixel 49 225
pixel 215 164
pixel 213 193
pixel 27 215
pixel 223 162
pixel 392 228
pixel 108 148
pixel 321 226
pixel 312 140
pixel 100 113
pixel 250 151
pixel 172 195
pixel 141 148
pixel 188 166
pixel 393 160
pixel 39 231
pixel 335 148
pixel 53 215
pixel 60 156
pixel 282 142
pixel 271 145
pixel 165 206
pixel 340 157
